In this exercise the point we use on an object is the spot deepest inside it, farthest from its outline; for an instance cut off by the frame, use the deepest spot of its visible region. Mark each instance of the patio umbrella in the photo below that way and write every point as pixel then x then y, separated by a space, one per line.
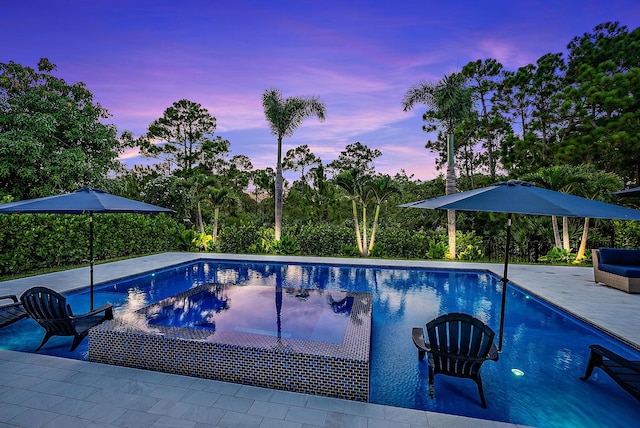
pixel 628 193
pixel 520 197
pixel 83 201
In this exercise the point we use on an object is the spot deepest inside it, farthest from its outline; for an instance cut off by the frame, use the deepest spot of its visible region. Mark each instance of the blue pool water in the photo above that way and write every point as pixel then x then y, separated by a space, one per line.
pixel 549 347
pixel 317 315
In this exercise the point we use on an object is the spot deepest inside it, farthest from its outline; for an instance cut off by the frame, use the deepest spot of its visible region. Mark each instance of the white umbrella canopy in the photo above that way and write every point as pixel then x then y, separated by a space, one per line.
pixel 521 197
pixel 82 201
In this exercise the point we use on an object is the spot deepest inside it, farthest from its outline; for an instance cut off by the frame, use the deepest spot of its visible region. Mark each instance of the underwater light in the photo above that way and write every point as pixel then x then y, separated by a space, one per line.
pixel 517 372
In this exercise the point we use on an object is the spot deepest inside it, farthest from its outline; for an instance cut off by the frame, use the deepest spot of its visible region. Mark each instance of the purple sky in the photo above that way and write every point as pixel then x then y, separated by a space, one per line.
pixel 359 57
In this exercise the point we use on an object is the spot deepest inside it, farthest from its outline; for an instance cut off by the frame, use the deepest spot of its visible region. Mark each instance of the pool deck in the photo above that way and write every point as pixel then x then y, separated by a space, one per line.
pixel 43 391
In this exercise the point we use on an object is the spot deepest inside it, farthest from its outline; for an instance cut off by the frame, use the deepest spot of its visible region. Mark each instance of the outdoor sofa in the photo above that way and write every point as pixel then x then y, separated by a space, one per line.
pixel 618 268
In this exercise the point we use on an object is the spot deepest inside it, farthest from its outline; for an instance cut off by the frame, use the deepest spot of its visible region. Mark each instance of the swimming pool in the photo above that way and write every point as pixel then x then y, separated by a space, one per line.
pixel 547 346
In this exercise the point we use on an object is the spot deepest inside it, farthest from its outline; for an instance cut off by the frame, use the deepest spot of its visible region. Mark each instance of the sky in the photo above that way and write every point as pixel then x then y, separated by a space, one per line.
pixel 358 57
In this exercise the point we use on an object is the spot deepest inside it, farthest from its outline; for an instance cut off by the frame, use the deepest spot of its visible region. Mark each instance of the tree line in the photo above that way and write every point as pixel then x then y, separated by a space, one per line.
pixel 566 123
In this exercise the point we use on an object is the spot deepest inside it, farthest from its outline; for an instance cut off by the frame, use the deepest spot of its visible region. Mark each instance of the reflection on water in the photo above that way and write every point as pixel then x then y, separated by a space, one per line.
pixel 280 312
pixel 193 311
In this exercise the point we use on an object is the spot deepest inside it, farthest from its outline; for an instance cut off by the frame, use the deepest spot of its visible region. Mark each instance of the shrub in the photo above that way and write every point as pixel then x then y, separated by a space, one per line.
pixel 237 238
pixel 395 242
pixel 36 241
pixel 323 239
pixel 470 253
pixel 437 250
pixel 558 255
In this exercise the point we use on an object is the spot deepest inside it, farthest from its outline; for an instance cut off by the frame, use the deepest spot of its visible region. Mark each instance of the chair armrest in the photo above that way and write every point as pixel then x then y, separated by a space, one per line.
pixel 107 309
pixel 10 296
pixel 493 355
pixel 417 334
pixel 600 350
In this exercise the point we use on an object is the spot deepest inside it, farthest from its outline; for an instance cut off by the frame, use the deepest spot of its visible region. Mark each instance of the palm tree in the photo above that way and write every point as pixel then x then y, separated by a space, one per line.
pixel 217 198
pixel 561 178
pixel 382 187
pixel 352 182
pixel 596 185
pixel 284 116
pixel 449 102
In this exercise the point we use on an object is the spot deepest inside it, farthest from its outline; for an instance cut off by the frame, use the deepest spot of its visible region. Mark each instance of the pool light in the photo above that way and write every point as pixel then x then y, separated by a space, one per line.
pixel 517 372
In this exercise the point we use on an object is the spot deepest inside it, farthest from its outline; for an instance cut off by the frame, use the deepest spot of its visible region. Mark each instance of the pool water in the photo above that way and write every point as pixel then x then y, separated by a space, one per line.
pixel 535 382
pixel 316 315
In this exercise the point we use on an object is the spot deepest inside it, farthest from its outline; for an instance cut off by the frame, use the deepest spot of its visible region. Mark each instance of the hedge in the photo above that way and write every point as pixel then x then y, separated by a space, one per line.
pixel 35 241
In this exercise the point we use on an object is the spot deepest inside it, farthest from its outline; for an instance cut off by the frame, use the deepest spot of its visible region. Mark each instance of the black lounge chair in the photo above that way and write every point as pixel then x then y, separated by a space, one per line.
pixel 624 372
pixel 11 312
pixel 51 311
pixel 458 345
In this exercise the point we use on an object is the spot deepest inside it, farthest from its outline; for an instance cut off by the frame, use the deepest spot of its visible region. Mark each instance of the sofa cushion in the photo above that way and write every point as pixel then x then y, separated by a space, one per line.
pixel 626 271
pixel 619 256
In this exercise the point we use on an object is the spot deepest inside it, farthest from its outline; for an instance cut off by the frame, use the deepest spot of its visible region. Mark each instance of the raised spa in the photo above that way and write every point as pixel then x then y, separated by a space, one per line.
pixel 301 340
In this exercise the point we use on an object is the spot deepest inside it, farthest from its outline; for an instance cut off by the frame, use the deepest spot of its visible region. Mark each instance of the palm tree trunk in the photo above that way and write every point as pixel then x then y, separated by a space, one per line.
pixel 556 232
pixel 216 214
pixel 199 215
pixel 373 230
pixel 278 192
pixel 583 241
pixel 450 190
pixel 565 233
pixel 357 225
pixel 364 251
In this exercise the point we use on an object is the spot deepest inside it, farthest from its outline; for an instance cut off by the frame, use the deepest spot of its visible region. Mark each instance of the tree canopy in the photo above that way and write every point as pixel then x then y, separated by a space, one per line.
pixel 182 136
pixel 52 138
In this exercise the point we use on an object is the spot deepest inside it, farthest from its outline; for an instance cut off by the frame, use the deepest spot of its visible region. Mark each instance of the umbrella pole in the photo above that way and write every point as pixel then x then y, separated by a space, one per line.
pixel 91 256
pixel 504 282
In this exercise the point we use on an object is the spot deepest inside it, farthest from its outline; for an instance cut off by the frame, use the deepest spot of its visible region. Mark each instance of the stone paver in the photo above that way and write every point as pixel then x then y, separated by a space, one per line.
pixel 43 391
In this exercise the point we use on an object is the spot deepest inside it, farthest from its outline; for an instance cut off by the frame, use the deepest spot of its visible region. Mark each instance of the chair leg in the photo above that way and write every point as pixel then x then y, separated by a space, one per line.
pixel 47 336
pixel 421 354
pixel 481 391
pixel 594 361
pixel 76 341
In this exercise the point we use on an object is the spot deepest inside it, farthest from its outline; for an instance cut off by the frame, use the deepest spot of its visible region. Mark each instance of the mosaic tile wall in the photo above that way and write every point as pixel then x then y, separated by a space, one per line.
pixel 338 370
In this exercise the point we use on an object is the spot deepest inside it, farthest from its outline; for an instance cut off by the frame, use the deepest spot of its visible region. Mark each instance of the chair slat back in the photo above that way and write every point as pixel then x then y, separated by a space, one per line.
pixel 49 309
pixel 456 335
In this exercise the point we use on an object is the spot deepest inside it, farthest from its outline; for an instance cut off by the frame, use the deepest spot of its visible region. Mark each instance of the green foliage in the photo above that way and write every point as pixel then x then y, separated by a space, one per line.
pixel 184 128
pixel 397 242
pixel 169 192
pixel 285 246
pixel 470 253
pixel 559 255
pixel 238 239
pixel 52 135
pixel 34 241
pixel 349 250
pixel 627 234
pixel 187 240
pixel 264 242
pixel 437 250
pixel 586 260
pixel 466 241
pixel 323 239
pixel 202 241
pixel 356 157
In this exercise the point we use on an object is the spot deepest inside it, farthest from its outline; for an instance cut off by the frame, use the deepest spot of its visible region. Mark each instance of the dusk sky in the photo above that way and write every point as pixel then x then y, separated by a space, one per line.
pixel 359 57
